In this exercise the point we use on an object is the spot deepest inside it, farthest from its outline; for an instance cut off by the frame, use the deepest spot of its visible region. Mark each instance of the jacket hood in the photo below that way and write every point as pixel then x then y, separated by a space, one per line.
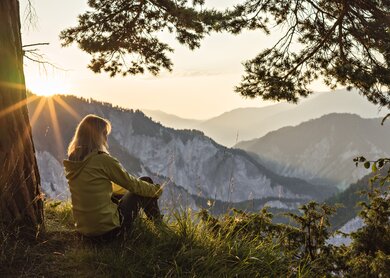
pixel 74 168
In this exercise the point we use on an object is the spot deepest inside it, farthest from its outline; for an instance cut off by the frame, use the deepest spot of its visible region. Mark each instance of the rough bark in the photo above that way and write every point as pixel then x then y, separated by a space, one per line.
pixel 21 203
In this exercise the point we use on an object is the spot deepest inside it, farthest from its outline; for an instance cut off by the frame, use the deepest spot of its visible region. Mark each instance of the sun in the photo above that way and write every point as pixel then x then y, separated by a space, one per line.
pixel 47 86
pixel 52 103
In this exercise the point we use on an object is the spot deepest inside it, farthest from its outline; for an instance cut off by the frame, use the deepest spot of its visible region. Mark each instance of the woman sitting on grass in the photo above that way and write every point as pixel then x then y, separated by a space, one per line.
pixel 92 172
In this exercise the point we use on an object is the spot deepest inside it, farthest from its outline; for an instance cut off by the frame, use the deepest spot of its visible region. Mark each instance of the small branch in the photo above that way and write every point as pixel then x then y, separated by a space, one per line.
pixel 42 62
pixel 30 15
pixel 36 44
pixel 34 56
pixel 319 9
pixel 385 118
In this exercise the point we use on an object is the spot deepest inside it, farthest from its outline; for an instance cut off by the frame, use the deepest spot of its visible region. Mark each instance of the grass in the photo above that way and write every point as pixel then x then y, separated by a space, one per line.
pixel 185 247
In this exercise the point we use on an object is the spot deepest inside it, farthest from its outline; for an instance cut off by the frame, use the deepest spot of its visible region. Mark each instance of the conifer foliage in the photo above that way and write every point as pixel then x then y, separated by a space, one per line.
pixel 346 42
pixel 123 36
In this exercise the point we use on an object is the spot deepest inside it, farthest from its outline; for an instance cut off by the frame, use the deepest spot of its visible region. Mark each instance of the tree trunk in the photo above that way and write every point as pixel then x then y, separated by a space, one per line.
pixel 21 203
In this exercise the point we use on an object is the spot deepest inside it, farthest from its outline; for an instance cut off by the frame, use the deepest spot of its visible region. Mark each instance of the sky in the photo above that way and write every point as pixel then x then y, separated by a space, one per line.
pixel 200 86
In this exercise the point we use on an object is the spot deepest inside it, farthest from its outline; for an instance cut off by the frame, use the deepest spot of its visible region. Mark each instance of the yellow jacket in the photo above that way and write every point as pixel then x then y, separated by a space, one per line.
pixel 91 184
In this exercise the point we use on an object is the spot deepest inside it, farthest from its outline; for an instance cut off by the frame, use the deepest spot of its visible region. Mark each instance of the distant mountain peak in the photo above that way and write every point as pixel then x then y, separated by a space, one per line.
pixel 243 124
pixel 321 150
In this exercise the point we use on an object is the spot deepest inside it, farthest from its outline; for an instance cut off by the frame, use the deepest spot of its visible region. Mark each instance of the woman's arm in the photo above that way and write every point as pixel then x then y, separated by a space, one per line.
pixel 117 174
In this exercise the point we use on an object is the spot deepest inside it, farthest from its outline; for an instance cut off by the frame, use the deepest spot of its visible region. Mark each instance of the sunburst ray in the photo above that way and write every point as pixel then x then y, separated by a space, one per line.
pixel 67 107
pixel 56 127
pixel 37 111
pixel 12 85
pixel 17 105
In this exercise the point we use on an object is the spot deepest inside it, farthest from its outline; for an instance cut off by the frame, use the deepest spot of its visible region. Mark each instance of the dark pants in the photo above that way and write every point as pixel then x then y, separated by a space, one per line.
pixel 130 204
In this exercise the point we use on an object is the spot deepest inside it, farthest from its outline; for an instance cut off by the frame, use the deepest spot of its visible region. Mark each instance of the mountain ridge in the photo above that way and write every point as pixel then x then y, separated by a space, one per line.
pixel 192 161
pixel 243 124
pixel 321 150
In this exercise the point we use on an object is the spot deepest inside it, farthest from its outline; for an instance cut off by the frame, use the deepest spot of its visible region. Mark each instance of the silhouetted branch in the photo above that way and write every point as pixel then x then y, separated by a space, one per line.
pixel 34 56
pixel 30 15
pixel 36 44
pixel 385 118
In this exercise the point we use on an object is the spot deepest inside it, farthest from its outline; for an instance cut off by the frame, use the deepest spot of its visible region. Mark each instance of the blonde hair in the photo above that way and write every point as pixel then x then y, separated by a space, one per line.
pixel 91 134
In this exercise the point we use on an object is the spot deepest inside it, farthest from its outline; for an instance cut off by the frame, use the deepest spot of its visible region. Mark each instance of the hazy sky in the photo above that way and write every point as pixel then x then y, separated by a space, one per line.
pixel 200 86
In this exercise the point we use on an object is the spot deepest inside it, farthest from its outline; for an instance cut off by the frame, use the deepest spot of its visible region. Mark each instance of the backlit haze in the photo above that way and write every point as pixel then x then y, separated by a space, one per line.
pixel 200 86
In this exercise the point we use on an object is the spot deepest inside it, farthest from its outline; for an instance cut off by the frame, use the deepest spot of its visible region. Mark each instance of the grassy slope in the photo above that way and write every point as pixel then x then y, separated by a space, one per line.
pixel 183 248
